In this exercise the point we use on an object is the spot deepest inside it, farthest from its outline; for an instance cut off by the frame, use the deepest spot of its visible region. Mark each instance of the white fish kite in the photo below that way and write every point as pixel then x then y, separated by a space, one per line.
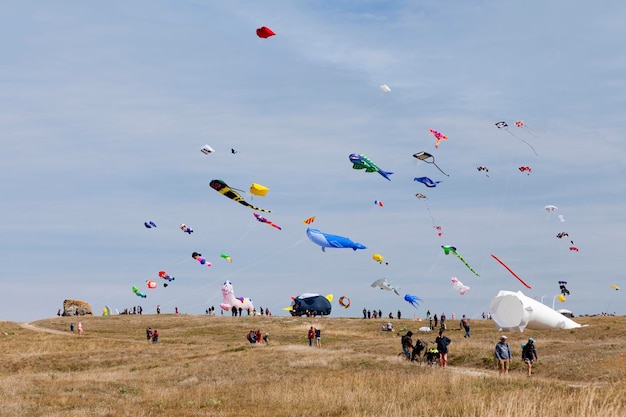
pixel 383 284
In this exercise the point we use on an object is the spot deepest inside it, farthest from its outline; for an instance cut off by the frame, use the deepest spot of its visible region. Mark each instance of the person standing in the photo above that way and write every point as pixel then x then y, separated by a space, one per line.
pixel 72 325
pixel 159 309
pixel 503 355
pixel 155 336
pixel 311 336
pixel 407 344
pixel 529 354
pixel 80 328
pixel 466 325
pixel 318 338
pixel 399 314
pixel 148 334
pixel 442 346
pixel 436 319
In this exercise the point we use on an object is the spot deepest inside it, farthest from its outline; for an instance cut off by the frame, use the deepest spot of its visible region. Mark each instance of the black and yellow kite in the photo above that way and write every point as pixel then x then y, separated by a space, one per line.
pixel 223 188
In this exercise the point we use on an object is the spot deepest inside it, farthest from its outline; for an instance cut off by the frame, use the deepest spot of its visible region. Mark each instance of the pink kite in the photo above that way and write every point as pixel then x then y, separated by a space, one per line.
pixel 439 136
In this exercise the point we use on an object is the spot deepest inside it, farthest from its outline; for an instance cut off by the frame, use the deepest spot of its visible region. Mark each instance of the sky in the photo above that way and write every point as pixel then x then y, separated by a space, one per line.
pixel 104 107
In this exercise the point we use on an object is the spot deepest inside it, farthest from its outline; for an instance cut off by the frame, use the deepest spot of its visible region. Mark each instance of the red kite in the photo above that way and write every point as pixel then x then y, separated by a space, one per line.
pixel 264 32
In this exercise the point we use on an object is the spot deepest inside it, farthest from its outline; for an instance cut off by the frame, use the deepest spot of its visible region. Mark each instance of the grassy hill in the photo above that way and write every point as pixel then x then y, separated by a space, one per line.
pixel 204 366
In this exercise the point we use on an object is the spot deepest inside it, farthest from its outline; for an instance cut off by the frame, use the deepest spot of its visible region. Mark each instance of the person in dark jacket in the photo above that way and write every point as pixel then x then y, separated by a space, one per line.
pixel 529 354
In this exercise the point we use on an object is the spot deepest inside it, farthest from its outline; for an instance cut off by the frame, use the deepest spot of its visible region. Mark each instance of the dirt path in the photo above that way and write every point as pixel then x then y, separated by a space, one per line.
pixel 41 329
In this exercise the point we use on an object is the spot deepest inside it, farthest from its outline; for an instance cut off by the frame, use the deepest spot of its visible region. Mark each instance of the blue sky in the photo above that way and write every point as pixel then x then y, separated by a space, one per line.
pixel 104 108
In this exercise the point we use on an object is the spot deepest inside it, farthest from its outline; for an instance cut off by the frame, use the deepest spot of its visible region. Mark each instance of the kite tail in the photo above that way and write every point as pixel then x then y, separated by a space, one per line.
pixel 466 264
pixel 245 203
pixel 385 174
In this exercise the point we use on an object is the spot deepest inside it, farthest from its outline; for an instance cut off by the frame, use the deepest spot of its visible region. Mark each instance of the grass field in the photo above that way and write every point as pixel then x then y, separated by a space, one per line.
pixel 204 366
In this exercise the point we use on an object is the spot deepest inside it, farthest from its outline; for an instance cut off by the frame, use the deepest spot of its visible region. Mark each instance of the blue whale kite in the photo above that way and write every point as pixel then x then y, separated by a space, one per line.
pixel 427 181
pixel 326 240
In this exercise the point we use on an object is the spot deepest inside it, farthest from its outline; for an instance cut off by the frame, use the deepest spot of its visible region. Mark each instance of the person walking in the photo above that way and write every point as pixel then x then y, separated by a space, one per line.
pixel 318 338
pixel 442 346
pixel 529 354
pixel 466 326
pixel 80 328
pixel 502 353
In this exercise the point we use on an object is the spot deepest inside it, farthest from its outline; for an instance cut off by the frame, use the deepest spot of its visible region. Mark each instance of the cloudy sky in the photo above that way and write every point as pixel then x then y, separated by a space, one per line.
pixel 104 107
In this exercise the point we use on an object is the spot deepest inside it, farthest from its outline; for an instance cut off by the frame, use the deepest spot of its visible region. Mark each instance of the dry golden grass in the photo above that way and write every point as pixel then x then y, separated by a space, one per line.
pixel 204 366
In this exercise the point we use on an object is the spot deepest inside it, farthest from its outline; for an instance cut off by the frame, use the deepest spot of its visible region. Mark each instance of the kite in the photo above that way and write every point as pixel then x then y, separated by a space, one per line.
pixel 561 218
pixel 198 257
pixel 221 187
pixel 459 286
pixel 206 149
pixel 483 168
pixel 550 208
pixel 562 234
pixel 363 162
pixel 383 284
pixel 427 181
pixel 138 293
pixel 379 258
pixel 233 151
pixel 509 269
pixel 423 197
pixel 439 136
pixel 150 224
pixel 615 287
pixel 564 290
pixel 264 220
pixel 165 276
pixel 378 203
pixel 412 299
pixel 526 169
pixel 326 240
pixel 151 284
pixel 531 132
pixel 309 220
pixel 344 301
pixel 258 189
pixel 447 249
pixel 230 301
pixel 310 303
pixel 186 229
pixel 505 126
pixel 425 156
pixel 385 88
pixel 226 256
pixel 264 32
pixel 515 311
pixel 573 248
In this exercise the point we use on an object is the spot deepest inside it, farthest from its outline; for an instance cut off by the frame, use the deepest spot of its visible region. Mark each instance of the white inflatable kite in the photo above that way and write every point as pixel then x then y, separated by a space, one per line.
pixel 515 311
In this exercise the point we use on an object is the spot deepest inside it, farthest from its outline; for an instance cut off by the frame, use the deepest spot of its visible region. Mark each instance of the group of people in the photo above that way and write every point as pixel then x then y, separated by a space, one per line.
pixel 502 353
pixel 378 314
pixel 411 351
pixel 79 328
pixel 315 337
pixel 257 337
pixel 152 335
